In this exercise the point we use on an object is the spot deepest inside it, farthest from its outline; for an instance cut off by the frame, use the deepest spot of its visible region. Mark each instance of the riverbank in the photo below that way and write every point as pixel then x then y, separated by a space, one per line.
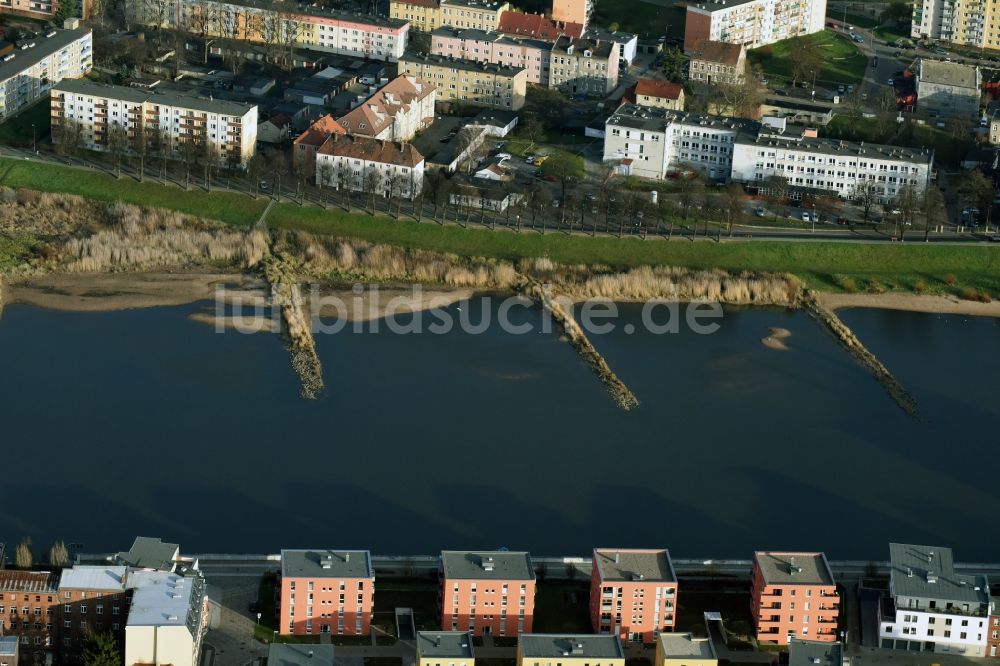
pixel 931 304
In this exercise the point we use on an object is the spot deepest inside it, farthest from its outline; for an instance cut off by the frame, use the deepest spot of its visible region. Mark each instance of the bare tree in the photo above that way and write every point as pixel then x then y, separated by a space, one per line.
pixel 885 111
pixel 742 98
pixel 188 150
pixel 325 175
pixel 300 170
pixel 66 134
pixel 289 39
pixel 373 184
pixel 198 22
pixel 255 167
pixel 776 191
pixel 933 208
pixel 279 167
pixel 118 145
pixel 690 187
pixel 58 554
pixel 163 146
pixel 734 202
pixel 140 148
pixel 23 557
pixel 865 193
pixel 397 190
pixel 907 201
pixel 343 179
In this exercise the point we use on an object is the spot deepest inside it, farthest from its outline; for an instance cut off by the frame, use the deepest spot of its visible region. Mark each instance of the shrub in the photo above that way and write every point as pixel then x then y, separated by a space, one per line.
pixel 875 287
pixel 27 197
pixel 950 279
pixel 848 284
pixel 919 287
pixel 970 294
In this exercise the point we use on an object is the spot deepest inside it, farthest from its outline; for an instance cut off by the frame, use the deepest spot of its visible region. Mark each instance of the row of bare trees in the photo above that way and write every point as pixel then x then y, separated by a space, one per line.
pixel 24 556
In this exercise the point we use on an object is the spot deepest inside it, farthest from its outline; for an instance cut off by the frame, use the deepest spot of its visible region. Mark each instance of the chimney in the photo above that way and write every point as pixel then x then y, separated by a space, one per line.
pixel 617 558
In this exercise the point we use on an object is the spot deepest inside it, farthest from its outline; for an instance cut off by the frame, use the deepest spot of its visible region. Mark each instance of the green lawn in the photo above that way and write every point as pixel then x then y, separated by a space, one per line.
pixel 890 34
pixel 843 62
pixel 644 19
pixel 17 131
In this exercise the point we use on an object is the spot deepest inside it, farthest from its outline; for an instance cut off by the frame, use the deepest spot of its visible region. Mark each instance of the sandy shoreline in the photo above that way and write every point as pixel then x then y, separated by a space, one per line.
pixel 910 303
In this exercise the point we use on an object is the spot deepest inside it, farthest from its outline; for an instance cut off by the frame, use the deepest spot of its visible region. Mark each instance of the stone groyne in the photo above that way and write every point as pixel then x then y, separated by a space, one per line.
pixel 297 327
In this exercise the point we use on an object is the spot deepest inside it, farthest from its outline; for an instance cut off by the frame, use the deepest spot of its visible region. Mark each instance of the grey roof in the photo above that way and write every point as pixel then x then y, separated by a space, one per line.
pixel 44 47
pixel 161 97
pixel 311 10
pixel 478 4
pixel 949 74
pixel 811 653
pixel 794 568
pixel 292 654
pixel 635 564
pixel 928 572
pixel 476 35
pixel 150 553
pixel 320 563
pixel 494 118
pixel 686 645
pixel 165 599
pixel 448 644
pixel 598 48
pixel 487 565
pixel 460 63
pixel 719 5
pixel 619 37
pixel 656 119
pixel 8 646
pixel 85 577
pixel 793 139
pixel 562 645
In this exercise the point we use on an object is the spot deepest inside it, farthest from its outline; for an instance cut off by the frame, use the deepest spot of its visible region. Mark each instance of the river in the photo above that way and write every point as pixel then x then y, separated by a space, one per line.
pixel 146 422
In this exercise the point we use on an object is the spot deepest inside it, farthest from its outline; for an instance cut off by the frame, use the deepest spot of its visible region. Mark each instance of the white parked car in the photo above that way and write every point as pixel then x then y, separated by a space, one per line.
pixel 503 156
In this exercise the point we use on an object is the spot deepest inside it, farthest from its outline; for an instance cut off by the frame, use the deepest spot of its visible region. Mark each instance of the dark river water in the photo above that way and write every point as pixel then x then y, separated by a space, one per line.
pixel 146 422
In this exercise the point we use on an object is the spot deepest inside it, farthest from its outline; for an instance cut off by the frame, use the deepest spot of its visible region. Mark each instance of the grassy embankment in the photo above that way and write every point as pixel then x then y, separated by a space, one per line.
pixel 832 266
pixel 843 62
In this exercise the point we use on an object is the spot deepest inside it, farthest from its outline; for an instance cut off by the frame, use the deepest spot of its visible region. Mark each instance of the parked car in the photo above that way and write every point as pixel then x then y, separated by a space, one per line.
pixel 530 159
pixel 841 88
pixel 890 82
pixel 503 156
pixel 590 196
pixel 540 160
pixel 995 239
pixel 760 212
pixel 783 93
pixel 806 217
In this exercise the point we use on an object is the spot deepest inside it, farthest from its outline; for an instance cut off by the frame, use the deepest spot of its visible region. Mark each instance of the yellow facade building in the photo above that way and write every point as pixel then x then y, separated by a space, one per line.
pixel 467 81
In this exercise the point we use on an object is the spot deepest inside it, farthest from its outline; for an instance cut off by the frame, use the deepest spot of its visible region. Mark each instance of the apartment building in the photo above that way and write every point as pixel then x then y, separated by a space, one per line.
pixel 573 650
pixel 445 648
pixel 327 591
pixel 949 88
pixel 628 43
pixel 167 618
pixel 360 164
pixel 717 62
pixel 793 596
pixel 584 66
pixel 816 653
pixel 396 112
pixel 684 650
pixel 828 166
pixel 424 15
pixel 530 54
pixel 572 11
pixel 752 23
pixel 633 593
pixel 536 26
pixel 304 147
pixel 44 10
pixel 476 14
pixel 930 607
pixel 467 81
pixel 650 142
pixel 306 27
pixel 993 634
pixel 660 94
pixel 27 74
pixel 94 599
pixel 973 23
pixel 29 610
pixel 487 592
pixel 222 129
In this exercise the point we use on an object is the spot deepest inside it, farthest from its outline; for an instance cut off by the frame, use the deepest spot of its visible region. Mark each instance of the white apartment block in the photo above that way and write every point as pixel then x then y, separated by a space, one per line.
pixel 832 166
pixel 27 74
pixel 167 618
pixel 396 112
pixel 752 23
pixel 973 23
pixel 584 66
pixel 227 129
pixel 330 31
pixel 649 142
pixel 930 607
pixel 348 161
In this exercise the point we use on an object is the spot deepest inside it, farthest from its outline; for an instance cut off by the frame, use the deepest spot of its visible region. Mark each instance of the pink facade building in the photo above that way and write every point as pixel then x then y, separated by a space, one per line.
pixel 794 596
pixel 487 593
pixel 633 593
pixel 469 44
pixel 326 592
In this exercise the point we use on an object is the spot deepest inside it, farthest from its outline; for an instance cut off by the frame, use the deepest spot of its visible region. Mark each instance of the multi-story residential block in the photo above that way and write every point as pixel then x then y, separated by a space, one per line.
pixel 94 599
pixel 583 66
pixel 752 23
pixel 29 609
pixel 572 11
pixel 8 651
pixel 829 166
pixel 684 650
pixel 793 595
pixel 467 81
pixel 484 593
pixel 974 23
pixel 816 653
pixel 633 593
pixel 304 147
pixel 307 27
pixel 576 650
pixel 536 26
pixel 396 112
pixel 27 74
pixel 39 9
pixel 422 15
pixel 445 648
pixel 97 115
pixel 530 54
pixel 327 591
pixel 993 634
pixel 628 43
pixel 930 607
pixel 167 619
pixel 661 94
pixel 360 164
pixel 949 88
pixel 650 142
pixel 717 62
pixel 476 14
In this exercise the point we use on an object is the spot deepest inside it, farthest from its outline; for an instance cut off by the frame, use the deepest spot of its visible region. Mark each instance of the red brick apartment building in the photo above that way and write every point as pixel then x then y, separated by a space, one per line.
pixel 29 609
pixel 794 596
pixel 487 592
pixel 94 599
pixel 993 631
pixel 633 593
pixel 326 592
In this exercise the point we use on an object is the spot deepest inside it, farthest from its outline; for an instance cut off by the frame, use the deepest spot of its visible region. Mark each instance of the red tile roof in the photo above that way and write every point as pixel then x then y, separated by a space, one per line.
pixel 713 51
pixel 377 112
pixel 662 89
pixel 537 26
pixel 372 150
pixel 319 131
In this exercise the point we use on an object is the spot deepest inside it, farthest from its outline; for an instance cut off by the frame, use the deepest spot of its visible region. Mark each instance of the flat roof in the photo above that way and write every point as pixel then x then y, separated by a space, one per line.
pixel 814 653
pixel 309 10
pixel 827 146
pixel 44 47
pixel 326 563
pixel 718 5
pixel 448 644
pixel 563 645
pixel 460 63
pixel 476 35
pixel 8 646
pixel 293 654
pixel 634 565
pixel 780 568
pixel 98 577
pixel 161 598
pixel 487 565
pixel 162 97
pixel 477 4
pixel 656 119
pixel 494 118
pixel 676 646
pixel 949 74
pixel 928 572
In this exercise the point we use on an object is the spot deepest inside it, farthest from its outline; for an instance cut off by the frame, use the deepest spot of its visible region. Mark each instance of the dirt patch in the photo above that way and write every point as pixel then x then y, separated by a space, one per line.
pixel 910 303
